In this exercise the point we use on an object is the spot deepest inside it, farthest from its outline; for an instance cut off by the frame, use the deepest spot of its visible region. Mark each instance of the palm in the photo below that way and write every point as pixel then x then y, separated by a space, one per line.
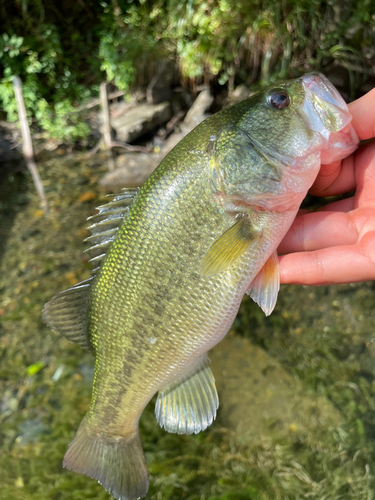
pixel 337 243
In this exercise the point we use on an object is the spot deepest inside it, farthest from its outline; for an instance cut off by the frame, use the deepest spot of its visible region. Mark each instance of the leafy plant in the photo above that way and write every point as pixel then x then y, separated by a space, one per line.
pixel 62 52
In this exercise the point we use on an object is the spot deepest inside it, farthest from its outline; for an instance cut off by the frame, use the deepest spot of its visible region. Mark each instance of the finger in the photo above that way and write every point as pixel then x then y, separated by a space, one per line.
pixel 345 205
pixel 363 112
pixel 319 230
pixel 365 175
pixel 336 178
pixel 346 264
pixel 303 211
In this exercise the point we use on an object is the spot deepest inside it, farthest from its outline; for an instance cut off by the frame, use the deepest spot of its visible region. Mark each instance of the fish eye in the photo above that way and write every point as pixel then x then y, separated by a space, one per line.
pixel 279 99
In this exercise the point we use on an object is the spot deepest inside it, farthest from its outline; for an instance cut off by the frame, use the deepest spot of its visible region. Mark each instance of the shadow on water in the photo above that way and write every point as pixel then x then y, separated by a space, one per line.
pixel 13 198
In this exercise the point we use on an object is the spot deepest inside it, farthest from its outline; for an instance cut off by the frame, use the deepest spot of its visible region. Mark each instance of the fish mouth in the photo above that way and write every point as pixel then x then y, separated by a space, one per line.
pixel 326 113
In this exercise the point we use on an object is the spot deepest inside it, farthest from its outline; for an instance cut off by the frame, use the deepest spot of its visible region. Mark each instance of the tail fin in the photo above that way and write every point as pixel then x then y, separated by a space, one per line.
pixel 116 462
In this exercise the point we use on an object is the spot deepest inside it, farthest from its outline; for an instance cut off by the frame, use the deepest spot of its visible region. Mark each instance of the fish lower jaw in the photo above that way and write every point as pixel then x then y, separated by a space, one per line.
pixel 340 145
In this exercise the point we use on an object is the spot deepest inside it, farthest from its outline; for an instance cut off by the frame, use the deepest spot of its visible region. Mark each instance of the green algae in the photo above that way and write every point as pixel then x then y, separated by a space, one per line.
pixel 322 337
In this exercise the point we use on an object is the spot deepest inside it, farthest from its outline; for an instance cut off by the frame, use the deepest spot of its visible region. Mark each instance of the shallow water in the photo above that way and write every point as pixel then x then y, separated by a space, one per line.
pixel 297 407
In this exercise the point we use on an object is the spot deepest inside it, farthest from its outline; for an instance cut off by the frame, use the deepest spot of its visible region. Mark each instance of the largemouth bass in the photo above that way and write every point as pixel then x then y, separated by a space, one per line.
pixel 174 260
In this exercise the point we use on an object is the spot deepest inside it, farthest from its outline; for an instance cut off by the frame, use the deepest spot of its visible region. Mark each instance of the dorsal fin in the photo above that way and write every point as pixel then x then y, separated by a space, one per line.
pixel 66 313
pixel 107 223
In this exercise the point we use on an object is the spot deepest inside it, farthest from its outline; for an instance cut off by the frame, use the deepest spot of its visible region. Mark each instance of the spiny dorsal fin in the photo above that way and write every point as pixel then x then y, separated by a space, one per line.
pixel 266 285
pixel 229 247
pixel 107 223
pixel 66 313
pixel 190 404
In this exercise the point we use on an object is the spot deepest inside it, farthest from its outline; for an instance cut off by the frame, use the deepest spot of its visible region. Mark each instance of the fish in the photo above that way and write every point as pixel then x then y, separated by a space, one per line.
pixel 173 260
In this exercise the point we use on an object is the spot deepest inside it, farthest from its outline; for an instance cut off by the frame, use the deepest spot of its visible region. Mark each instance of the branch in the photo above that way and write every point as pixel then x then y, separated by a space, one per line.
pixel 27 145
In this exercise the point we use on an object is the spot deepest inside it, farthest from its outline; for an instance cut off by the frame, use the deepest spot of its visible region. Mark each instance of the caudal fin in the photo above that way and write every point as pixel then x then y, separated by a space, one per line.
pixel 116 462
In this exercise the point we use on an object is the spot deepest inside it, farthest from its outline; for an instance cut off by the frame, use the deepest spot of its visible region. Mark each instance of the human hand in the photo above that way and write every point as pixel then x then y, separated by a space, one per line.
pixel 336 244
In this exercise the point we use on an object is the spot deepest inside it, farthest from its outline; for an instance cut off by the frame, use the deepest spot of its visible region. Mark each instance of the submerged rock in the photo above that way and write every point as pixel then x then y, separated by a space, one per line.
pixel 139 120
pixel 134 168
pixel 257 395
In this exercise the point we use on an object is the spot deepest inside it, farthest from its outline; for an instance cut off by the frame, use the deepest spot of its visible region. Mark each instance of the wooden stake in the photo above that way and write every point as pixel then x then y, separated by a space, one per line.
pixel 106 125
pixel 27 145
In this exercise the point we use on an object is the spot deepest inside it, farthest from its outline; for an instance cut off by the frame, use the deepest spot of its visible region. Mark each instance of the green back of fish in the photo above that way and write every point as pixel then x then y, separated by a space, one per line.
pixel 150 308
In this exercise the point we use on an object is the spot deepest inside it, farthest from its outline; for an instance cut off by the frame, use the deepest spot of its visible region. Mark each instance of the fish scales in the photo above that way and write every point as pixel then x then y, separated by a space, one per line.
pixel 183 233
pixel 202 231
pixel 188 325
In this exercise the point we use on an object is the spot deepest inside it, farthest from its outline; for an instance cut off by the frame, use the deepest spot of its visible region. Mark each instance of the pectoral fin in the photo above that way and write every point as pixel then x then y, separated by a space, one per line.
pixel 229 247
pixel 189 406
pixel 266 285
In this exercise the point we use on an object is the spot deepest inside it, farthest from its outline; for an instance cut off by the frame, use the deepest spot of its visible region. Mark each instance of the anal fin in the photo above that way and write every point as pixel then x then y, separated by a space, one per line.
pixel 266 285
pixel 189 406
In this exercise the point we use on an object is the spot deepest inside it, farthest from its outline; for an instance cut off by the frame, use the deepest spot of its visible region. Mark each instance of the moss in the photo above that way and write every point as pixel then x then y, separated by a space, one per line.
pixel 322 336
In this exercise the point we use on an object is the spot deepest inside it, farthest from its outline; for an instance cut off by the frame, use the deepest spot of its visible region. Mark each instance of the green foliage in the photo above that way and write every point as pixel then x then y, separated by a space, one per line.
pixel 128 44
pixel 62 121
pixel 63 50
pixel 271 38
pixel 48 47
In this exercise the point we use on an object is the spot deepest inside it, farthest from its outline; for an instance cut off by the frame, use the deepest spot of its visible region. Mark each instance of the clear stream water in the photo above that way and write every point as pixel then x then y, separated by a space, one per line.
pixel 297 389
